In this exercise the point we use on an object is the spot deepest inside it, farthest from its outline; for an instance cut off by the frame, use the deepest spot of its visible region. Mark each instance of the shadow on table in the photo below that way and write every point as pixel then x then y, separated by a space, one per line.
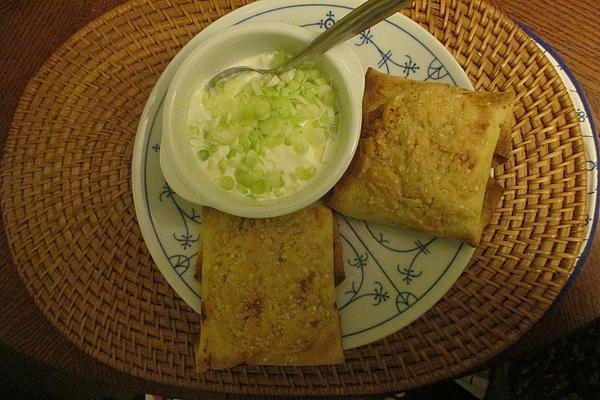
pixel 567 369
pixel 22 377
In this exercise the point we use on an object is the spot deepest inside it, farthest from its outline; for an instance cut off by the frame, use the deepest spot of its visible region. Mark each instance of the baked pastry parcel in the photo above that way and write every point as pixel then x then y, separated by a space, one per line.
pixel 424 157
pixel 268 293
pixel 338 260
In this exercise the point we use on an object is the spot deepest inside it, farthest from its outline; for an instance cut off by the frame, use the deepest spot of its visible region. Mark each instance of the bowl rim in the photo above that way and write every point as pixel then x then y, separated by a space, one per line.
pixel 350 71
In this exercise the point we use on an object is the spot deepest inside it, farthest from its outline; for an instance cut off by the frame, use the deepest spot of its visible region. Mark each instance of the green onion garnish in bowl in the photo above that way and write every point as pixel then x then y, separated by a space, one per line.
pixel 261 145
pixel 265 136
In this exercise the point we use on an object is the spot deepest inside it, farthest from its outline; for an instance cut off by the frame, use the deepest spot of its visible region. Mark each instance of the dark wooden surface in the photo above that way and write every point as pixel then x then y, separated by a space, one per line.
pixel 31 30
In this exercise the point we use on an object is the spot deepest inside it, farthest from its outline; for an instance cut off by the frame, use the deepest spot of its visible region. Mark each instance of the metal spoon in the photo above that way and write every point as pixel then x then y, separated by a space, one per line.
pixel 357 21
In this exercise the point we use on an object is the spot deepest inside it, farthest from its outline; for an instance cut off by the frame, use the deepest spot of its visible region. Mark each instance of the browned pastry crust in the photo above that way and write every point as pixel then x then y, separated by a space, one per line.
pixel 493 195
pixel 338 260
pixel 504 145
pixel 268 290
pixel 424 157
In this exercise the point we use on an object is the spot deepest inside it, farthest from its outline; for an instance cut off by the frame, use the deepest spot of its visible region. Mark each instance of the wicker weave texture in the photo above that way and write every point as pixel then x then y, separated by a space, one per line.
pixel 68 210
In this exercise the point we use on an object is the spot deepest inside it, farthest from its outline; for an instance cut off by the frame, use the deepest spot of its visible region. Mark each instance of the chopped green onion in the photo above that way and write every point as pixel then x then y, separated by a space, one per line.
pixel 232 153
pixel 203 154
pixel 266 135
pixel 192 130
pixel 227 182
pixel 305 173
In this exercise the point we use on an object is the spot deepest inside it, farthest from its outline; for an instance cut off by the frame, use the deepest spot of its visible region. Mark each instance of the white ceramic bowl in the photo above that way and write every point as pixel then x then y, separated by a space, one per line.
pixel 178 162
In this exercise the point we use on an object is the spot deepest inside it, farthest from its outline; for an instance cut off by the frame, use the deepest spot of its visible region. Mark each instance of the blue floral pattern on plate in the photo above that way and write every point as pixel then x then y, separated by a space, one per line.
pixel 392 275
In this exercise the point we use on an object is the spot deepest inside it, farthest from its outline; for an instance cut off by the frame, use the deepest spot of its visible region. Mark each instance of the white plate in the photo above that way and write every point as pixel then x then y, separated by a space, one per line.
pixel 393 276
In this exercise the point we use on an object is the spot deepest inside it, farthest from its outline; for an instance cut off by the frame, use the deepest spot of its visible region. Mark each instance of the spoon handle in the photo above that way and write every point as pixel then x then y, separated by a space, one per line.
pixel 358 20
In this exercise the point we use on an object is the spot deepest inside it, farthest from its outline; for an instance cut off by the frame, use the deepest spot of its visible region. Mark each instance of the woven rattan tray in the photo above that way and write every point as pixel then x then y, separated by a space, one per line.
pixel 68 210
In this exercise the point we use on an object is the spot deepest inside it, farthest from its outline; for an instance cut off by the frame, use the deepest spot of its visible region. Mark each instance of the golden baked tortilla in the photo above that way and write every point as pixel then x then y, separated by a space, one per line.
pixel 493 194
pixel 504 145
pixel 338 260
pixel 424 156
pixel 268 292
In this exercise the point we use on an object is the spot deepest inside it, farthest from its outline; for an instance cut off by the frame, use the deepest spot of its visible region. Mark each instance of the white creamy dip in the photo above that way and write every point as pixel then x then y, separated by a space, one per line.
pixel 264 136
